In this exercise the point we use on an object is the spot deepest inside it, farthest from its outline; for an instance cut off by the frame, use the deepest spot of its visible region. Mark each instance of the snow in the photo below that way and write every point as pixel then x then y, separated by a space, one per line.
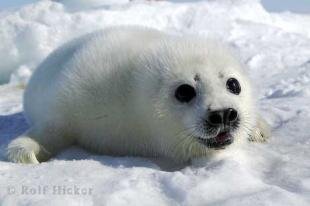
pixel 274 46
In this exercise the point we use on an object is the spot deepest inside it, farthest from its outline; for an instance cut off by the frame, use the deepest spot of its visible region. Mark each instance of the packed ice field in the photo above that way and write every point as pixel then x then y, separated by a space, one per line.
pixel 276 50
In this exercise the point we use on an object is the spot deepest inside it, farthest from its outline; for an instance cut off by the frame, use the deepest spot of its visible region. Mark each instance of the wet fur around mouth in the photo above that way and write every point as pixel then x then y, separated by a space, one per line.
pixel 214 142
pixel 223 137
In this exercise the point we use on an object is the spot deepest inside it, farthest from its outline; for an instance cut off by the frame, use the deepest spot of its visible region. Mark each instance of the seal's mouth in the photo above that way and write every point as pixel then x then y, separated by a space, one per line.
pixel 218 142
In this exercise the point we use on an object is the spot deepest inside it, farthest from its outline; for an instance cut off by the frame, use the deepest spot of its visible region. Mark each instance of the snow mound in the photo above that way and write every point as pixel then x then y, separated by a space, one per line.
pixel 276 49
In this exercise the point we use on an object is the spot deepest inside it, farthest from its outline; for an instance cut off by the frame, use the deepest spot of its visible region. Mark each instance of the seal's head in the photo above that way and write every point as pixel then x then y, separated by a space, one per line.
pixel 203 97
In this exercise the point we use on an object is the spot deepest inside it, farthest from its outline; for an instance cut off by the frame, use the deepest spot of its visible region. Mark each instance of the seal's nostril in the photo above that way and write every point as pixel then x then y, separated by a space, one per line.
pixel 232 115
pixel 225 116
pixel 215 118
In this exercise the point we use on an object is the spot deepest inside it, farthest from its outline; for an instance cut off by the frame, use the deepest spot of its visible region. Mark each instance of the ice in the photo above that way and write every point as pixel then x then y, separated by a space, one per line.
pixel 274 46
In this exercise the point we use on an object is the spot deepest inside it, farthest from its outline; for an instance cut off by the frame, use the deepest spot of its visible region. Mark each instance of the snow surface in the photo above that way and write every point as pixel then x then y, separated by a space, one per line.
pixel 276 48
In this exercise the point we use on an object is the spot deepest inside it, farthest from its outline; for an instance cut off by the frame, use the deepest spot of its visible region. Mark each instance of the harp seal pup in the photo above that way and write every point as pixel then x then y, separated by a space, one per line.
pixel 139 92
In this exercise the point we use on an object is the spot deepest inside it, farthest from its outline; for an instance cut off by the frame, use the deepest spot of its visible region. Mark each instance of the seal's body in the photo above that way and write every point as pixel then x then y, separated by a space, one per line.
pixel 137 91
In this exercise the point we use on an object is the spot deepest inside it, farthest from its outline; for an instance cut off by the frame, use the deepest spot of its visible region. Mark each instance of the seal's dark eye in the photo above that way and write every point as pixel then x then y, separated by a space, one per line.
pixel 233 86
pixel 185 93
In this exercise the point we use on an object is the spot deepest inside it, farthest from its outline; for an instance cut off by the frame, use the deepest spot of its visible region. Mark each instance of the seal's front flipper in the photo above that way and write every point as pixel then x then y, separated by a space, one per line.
pixel 261 133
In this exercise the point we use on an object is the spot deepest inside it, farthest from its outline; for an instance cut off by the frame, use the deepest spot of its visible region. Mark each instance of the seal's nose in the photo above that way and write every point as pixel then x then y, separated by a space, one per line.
pixel 225 116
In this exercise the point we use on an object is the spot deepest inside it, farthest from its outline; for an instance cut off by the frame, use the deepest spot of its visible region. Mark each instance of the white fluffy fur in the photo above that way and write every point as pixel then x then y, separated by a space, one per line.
pixel 112 92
